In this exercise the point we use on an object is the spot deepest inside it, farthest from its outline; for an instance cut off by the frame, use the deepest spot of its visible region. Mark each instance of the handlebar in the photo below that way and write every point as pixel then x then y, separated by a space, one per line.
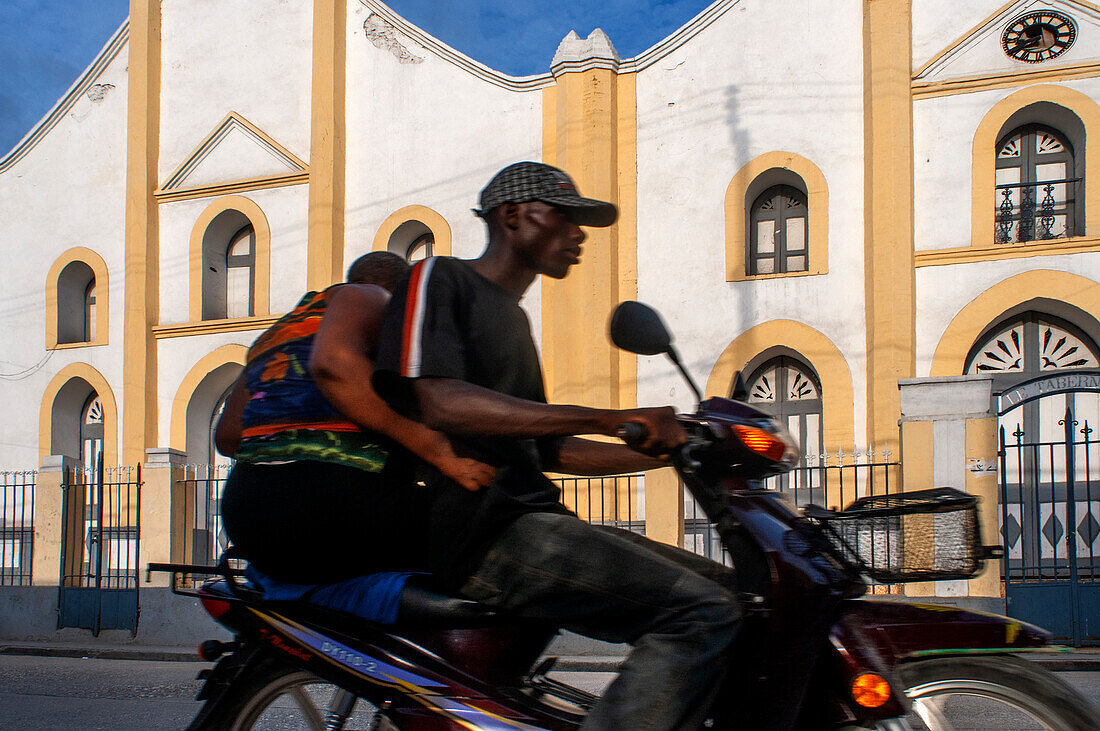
pixel 632 433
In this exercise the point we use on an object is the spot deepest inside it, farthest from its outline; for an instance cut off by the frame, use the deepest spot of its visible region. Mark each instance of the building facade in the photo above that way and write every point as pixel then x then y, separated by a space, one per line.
pixel 878 211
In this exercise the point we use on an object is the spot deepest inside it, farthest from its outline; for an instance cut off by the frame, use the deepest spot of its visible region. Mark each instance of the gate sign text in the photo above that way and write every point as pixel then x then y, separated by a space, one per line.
pixel 1048 386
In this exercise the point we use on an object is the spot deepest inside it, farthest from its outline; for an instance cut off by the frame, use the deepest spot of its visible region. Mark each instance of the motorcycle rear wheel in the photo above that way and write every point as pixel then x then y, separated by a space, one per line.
pixel 277 696
pixel 995 687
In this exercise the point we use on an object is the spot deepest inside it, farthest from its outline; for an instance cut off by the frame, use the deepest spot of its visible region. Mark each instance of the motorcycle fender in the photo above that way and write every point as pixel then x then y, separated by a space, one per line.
pixel 900 630
pixel 857 654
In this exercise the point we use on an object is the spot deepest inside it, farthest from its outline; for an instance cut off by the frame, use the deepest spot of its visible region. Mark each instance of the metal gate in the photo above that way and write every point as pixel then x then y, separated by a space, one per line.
pixel 1050 523
pixel 99 549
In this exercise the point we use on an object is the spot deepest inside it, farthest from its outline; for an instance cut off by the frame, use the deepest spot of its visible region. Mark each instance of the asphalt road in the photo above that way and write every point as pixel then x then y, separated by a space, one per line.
pixel 74 693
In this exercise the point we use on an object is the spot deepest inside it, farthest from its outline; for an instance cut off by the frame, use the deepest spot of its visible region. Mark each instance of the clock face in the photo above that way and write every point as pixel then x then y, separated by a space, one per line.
pixel 1037 36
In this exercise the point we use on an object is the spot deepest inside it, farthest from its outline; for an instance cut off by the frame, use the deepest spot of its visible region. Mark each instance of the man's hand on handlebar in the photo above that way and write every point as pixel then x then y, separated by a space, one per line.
pixel 662 432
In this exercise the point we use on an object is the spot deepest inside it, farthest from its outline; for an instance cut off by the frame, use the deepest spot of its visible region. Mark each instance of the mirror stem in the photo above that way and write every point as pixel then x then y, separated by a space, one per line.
pixel 675 358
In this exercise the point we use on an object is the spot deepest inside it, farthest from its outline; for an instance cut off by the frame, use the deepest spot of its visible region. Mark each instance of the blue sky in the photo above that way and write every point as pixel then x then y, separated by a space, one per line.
pixel 46 44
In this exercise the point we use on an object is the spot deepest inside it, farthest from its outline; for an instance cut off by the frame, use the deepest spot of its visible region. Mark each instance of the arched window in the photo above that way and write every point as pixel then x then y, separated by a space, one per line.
pixel 76 304
pixel 791 391
pixel 240 267
pixel 1027 346
pixel 1035 185
pixel 216 458
pixel 91 432
pixel 229 267
pixel 412 240
pixel 422 247
pixel 89 311
pixel 778 231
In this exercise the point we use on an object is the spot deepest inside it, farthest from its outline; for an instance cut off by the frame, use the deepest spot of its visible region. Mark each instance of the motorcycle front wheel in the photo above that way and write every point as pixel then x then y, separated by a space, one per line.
pixel 277 696
pixel 994 692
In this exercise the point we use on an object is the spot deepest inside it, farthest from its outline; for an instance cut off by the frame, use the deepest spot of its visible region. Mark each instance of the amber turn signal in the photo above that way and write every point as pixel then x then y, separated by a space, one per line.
pixel 870 690
pixel 762 442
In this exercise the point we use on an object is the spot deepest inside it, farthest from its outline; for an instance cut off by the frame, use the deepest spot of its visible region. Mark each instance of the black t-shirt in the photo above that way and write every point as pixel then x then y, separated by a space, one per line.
pixel 447 321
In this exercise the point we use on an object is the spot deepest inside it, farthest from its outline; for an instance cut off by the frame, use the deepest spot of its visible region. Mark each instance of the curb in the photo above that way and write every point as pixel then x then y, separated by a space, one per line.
pixel 102 653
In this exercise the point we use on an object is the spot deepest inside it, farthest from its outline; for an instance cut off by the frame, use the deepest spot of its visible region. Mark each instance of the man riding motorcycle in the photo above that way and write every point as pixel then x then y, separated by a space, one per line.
pixel 457 353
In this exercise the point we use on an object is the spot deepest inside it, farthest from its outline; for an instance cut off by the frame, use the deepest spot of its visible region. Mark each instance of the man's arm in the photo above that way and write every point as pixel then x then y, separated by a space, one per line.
pixel 340 367
pixel 576 456
pixel 463 409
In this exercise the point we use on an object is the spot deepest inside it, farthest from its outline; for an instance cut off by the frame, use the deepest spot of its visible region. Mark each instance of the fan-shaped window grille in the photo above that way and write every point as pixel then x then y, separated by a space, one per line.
pixel 790 390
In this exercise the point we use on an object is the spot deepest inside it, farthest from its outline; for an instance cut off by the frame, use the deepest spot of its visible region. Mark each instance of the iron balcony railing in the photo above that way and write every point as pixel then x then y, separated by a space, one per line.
pixel 16 527
pixel 1035 211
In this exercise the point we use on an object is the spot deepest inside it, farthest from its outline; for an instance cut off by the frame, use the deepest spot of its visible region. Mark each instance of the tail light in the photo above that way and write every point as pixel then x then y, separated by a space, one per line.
pixel 765 443
pixel 870 690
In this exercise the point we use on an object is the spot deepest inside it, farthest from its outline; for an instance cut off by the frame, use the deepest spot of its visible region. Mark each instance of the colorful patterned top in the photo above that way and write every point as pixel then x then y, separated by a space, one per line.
pixel 287 417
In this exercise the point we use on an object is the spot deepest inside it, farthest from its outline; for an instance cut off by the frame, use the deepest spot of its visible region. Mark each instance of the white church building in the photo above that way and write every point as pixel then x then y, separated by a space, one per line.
pixel 880 212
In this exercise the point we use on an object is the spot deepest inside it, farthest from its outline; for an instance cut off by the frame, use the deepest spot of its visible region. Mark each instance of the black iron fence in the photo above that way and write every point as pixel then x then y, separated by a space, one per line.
pixel 205 537
pixel 101 520
pixel 1035 211
pixel 100 528
pixel 828 480
pixel 16 527
pixel 614 500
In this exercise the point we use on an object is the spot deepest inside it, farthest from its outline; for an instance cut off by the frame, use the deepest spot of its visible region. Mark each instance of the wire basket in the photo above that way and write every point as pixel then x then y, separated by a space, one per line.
pixel 925 535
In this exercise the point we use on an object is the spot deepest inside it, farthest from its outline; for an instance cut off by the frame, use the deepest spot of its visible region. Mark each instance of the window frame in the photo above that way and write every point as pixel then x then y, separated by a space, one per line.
pixel 780 255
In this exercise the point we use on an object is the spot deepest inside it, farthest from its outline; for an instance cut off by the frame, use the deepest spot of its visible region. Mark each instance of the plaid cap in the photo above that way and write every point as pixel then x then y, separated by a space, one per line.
pixel 534 181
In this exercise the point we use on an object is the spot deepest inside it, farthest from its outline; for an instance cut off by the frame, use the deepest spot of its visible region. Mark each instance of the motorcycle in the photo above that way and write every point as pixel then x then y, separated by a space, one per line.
pixel 812 652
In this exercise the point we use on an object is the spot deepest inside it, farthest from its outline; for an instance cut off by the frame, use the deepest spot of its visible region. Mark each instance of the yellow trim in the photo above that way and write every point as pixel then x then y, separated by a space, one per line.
pixel 200 152
pixel 102 296
pixel 890 280
pixel 971 254
pixel 838 418
pixel 262 256
pixel 984 162
pixel 737 226
pixel 986 82
pixel 550 157
pixel 231 188
pixel 593 113
pixel 206 327
pixel 142 271
pixel 981 444
pixel 231 353
pixel 438 225
pixel 94 379
pixel 917 457
pixel 626 277
pixel 325 257
pixel 972 320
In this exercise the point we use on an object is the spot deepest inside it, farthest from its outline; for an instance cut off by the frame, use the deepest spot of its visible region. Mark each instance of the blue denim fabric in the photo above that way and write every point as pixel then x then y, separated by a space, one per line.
pixel 616 587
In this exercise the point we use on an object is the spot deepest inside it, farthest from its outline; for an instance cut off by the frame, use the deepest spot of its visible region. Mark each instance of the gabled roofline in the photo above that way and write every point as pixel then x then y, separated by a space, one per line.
pixel 528 83
pixel 230 121
pixel 62 107
pixel 1007 12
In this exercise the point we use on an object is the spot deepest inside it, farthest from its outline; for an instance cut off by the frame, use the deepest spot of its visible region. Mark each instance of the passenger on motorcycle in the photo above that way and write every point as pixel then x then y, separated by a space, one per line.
pixel 457 353
pixel 323 488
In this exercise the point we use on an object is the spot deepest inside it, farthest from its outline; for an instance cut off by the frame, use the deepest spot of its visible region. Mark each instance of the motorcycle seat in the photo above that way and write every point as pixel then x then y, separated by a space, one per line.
pixel 418 606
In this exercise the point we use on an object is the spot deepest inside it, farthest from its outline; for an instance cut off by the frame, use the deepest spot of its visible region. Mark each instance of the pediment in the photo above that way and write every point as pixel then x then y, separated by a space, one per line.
pixel 979 53
pixel 235 151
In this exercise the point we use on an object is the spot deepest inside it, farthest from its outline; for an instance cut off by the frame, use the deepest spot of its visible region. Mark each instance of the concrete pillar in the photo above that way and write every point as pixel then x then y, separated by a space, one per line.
pixel 163 511
pixel 948 439
pixel 664 507
pixel 46 564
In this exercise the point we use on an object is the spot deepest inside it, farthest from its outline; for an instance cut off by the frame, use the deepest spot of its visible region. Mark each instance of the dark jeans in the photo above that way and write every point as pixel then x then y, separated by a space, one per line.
pixel 617 587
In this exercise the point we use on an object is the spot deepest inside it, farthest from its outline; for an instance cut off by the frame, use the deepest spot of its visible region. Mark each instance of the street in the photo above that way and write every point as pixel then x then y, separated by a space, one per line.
pixel 75 693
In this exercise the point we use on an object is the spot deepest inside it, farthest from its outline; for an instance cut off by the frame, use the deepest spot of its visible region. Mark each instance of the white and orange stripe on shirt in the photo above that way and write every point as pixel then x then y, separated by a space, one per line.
pixel 414 318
